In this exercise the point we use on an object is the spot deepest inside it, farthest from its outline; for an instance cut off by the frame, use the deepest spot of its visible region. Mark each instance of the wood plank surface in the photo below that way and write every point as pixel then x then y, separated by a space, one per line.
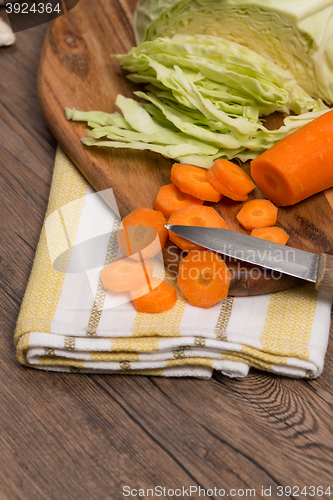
pixel 85 437
pixel 76 70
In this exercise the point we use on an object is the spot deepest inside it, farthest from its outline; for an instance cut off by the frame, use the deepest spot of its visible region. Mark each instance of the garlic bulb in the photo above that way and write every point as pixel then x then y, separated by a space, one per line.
pixel 7 37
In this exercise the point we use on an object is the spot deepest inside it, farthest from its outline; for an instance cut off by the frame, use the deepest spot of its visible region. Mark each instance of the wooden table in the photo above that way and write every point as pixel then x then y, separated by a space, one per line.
pixel 85 437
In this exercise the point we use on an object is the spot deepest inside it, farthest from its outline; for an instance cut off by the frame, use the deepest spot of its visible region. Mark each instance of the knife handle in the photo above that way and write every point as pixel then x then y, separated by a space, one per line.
pixel 324 281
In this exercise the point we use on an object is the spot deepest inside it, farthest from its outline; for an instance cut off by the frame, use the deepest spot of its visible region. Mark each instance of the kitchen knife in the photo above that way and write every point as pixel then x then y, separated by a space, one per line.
pixel 287 260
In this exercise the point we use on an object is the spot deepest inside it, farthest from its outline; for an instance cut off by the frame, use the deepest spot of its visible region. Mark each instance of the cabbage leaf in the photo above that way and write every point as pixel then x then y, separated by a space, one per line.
pixel 204 98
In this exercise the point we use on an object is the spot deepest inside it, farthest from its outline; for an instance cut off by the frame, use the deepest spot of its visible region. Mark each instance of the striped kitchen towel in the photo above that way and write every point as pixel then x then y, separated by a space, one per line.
pixel 69 322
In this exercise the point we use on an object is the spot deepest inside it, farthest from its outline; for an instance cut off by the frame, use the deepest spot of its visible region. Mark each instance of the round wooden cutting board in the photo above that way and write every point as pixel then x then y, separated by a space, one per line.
pixel 76 70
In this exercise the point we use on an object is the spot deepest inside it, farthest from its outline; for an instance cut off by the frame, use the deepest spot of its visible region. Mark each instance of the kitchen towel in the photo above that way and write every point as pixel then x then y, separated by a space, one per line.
pixel 68 322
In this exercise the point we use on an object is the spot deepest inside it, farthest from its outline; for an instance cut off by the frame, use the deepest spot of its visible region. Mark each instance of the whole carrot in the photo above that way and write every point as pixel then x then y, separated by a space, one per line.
pixel 299 165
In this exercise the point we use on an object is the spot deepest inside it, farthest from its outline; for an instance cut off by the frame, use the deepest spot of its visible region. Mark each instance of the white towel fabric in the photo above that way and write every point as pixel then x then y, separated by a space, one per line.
pixel 68 322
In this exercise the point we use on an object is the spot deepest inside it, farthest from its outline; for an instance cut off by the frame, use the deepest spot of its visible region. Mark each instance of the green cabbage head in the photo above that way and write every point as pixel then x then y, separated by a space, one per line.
pixel 297 35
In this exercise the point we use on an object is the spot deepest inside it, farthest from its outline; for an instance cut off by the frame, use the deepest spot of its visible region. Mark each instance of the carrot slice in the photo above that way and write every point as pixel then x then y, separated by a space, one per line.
pixel 257 213
pixel 204 278
pixel 193 180
pixel 126 274
pixel 137 233
pixel 134 240
pixel 230 180
pixel 159 299
pixel 299 165
pixel 274 233
pixel 150 284
pixel 169 199
pixel 194 215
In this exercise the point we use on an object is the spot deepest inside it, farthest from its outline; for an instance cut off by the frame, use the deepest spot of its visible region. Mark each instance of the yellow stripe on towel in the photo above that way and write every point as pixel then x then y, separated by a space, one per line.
pixel 296 308
pixel 223 319
pixel 38 308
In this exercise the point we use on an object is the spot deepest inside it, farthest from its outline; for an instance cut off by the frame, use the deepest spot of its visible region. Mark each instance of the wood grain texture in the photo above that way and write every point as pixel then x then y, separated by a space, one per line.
pixel 325 274
pixel 76 70
pixel 84 437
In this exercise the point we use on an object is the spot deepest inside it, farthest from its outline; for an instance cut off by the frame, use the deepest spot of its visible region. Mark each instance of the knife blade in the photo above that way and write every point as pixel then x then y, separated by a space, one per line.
pixel 287 260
